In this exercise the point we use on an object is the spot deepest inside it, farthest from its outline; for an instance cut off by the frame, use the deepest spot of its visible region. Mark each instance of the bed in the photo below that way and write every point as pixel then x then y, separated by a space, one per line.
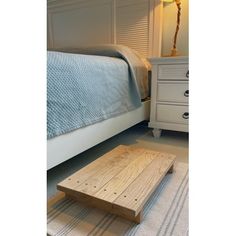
pixel 93 93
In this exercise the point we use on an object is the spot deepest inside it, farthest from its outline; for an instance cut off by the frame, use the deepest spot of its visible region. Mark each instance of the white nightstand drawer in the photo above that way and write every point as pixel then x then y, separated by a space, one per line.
pixel 169 94
pixel 172 92
pixel 172 114
pixel 173 72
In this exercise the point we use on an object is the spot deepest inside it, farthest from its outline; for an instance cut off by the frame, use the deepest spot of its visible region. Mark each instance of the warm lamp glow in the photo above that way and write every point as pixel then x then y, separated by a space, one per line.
pixel 178 4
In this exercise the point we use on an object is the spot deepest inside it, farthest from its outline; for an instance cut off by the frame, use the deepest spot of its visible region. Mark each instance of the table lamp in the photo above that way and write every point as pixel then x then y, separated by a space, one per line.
pixel 178 4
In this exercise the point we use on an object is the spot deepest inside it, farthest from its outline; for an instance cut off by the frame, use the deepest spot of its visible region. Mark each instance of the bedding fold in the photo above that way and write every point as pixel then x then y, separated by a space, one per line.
pixel 85 89
pixel 137 65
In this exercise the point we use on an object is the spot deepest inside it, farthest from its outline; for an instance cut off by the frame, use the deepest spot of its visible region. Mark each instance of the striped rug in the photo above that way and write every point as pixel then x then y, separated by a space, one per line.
pixel 165 214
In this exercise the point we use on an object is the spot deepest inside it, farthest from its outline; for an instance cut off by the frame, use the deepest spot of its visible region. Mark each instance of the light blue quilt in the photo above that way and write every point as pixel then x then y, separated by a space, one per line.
pixel 85 89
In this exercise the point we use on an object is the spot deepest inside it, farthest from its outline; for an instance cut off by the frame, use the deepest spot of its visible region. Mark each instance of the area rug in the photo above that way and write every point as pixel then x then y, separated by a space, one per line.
pixel 165 214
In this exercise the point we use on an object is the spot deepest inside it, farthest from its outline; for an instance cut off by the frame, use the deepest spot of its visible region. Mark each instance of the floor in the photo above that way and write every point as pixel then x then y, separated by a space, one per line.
pixel 138 136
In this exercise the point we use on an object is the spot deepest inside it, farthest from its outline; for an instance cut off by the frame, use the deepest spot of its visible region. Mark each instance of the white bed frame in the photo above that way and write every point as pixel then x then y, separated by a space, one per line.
pixel 63 147
pixel 72 23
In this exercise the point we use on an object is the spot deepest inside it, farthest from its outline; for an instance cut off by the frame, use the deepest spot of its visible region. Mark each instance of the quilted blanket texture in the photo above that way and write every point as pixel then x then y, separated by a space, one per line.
pixel 138 66
pixel 85 89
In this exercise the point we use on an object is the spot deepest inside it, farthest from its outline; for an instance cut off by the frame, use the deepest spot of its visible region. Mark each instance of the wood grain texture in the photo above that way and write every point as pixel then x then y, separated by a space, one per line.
pixel 102 170
pixel 106 174
pixel 82 175
pixel 120 181
pixel 138 192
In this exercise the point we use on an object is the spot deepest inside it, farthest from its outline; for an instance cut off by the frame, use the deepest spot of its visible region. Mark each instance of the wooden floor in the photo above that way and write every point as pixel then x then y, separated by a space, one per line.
pixel 121 181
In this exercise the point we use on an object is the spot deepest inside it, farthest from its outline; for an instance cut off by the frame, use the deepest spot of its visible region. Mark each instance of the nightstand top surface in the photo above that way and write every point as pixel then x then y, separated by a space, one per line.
pixel 163 60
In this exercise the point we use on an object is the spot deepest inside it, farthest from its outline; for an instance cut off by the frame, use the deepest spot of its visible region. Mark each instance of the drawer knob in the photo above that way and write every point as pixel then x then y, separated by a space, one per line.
pixel 186 93
pixel 187 74
pixel 185 115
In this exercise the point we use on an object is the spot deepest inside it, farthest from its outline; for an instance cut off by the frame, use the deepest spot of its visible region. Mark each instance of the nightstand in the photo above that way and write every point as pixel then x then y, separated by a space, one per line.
pixel 169 94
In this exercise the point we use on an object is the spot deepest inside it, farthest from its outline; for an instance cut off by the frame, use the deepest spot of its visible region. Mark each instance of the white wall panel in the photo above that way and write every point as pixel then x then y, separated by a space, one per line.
pixel 73 23
pixel 80 24
pixel 132 25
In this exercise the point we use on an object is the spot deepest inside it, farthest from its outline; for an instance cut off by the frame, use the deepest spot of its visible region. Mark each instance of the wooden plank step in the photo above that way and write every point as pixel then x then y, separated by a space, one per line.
pixel 138 192
pixel 86 172
pixel 100 171
pixel 120 181
pixel 99 181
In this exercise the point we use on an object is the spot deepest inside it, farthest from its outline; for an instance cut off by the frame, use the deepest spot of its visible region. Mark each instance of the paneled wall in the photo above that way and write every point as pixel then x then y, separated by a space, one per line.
pixel 132 25
pixel 135 23
pixel 78 23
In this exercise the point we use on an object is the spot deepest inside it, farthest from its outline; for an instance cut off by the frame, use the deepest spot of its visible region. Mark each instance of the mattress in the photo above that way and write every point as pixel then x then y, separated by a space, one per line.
pixel 85 89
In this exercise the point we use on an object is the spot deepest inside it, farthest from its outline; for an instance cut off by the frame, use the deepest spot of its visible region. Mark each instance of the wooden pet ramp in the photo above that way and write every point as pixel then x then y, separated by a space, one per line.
pixel 121 181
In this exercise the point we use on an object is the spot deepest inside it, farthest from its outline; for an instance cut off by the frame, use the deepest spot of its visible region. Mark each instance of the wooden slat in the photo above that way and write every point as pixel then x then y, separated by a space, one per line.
pixel 83 174
pixel 100 171
pixel 138 192
pixel 96 182
pixel 120 182
pixel 93 202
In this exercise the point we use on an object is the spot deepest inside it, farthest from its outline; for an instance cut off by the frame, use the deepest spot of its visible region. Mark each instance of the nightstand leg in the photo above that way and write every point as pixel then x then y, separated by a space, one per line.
pixel 156 133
